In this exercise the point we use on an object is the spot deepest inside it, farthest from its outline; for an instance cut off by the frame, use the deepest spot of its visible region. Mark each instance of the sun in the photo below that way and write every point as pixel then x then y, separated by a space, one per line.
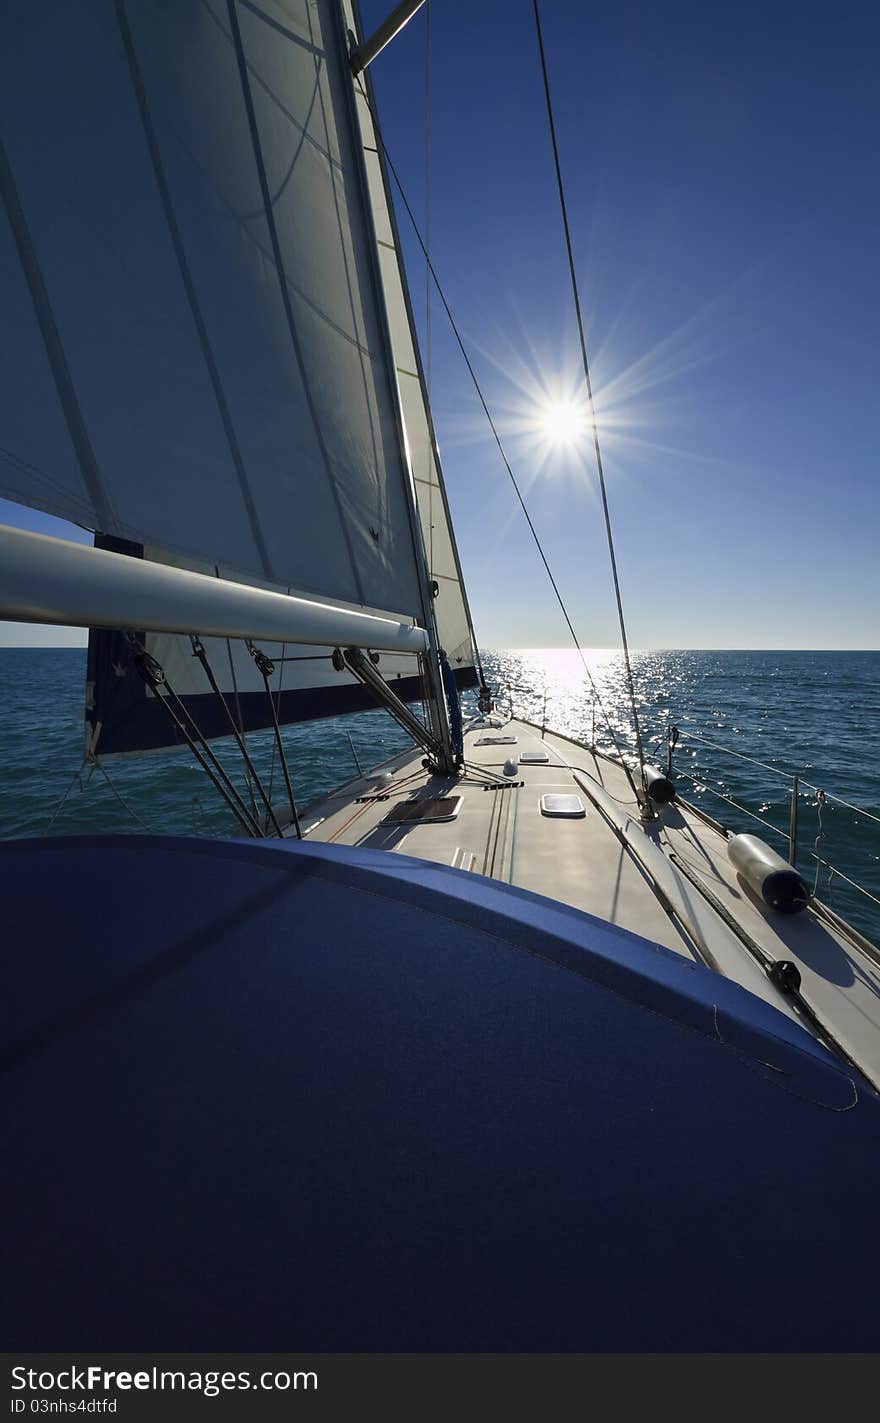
pixel 562 423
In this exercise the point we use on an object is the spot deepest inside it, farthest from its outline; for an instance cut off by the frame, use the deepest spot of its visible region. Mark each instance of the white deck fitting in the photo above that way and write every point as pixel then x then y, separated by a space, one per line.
pixel 609 864
pixel 562 807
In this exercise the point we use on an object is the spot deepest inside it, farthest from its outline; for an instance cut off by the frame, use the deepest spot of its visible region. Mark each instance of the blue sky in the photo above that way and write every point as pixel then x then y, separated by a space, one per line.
pixel 721 171
pixel 720 163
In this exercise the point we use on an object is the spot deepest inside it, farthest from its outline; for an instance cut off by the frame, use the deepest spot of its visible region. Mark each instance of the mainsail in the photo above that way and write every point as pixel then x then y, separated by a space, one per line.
pixel 209 361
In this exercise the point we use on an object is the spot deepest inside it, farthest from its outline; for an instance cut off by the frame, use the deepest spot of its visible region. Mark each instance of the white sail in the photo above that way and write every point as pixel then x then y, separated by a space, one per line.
pixel 189 287
pixel 217 367
pixel 453 621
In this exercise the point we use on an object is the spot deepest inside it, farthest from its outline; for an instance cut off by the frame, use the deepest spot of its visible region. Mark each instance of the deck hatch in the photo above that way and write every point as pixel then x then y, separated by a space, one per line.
pixel 495 741
pixel 533 757
pixel 423 812
pixel 563 807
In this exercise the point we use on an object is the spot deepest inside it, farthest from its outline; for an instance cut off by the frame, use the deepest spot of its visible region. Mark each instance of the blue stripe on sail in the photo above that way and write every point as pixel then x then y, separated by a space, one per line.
pixel 132 721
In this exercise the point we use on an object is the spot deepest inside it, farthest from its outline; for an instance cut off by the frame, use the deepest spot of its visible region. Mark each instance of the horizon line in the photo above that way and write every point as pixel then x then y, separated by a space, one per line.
pixel 82 647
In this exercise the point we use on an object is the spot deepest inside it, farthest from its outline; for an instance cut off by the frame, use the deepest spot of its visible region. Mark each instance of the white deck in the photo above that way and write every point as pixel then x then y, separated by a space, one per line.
pixel 611 865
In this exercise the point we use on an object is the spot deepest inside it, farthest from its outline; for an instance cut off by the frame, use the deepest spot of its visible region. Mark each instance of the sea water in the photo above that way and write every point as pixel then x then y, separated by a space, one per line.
pixel 814 714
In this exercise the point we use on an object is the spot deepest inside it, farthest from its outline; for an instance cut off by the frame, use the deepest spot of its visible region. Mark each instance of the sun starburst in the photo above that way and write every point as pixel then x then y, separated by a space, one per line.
pixel 563 422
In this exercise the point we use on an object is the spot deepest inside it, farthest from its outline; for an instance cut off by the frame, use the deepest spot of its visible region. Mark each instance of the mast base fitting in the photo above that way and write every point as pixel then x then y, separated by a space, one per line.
pixel 439 768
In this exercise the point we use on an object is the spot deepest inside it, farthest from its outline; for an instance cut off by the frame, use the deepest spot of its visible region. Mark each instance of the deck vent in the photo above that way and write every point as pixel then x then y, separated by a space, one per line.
pixel 423 812
pixel 563 807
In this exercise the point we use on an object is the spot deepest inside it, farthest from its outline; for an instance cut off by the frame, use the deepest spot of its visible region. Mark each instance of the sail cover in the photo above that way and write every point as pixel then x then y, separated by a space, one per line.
pixel 190 289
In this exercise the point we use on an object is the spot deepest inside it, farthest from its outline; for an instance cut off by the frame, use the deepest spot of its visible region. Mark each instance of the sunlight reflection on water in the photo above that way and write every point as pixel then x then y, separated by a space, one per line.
pixel 802 712
pixel 798 712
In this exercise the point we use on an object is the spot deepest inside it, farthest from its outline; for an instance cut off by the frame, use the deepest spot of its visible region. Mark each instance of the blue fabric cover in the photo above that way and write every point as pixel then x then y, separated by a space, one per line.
pixel 282 1096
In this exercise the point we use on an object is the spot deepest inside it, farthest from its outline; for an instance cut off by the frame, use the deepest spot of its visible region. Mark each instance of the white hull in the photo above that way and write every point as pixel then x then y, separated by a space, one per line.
pixel 639 876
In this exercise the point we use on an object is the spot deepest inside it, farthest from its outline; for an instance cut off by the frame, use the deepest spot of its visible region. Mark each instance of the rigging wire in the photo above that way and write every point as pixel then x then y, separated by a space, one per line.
pixel 247 778
pixel 817 844
pixel 427 270
pixel 320 656
pixel 360 769
pixel 151 672
pixel 121 798
pixel 250 770
pixel 282 659
pixel 590 404
pixel 90 760
pixel 75 778
pixel 266 667
pixel 786 775
pixel 492 426
pixel 833 870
